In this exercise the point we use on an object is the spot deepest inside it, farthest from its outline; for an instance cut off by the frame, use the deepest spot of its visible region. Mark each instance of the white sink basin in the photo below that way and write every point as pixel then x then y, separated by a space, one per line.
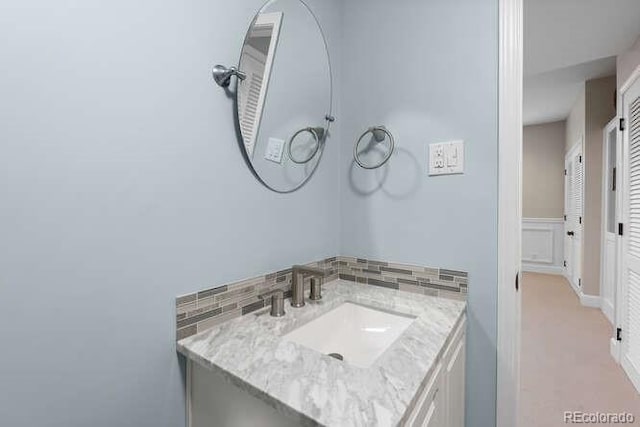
pixel 358 333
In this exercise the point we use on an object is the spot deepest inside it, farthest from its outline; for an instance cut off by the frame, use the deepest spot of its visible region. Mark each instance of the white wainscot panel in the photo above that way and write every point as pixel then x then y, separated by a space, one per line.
pixel 542 245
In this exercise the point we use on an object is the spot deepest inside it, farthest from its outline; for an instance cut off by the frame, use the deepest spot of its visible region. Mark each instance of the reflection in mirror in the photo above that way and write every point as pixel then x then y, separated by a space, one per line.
pixel 284 102
pixel 256 59
pixel 301 149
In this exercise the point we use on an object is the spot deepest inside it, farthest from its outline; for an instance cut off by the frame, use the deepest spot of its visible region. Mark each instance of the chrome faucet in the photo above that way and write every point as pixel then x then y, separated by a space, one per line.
pixel 297 282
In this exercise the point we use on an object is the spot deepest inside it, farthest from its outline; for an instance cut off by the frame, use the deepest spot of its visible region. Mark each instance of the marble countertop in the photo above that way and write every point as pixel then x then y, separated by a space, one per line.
pixel 317 389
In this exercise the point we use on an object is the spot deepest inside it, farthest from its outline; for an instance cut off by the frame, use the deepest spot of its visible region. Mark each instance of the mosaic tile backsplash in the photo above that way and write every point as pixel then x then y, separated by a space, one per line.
pixel 201 310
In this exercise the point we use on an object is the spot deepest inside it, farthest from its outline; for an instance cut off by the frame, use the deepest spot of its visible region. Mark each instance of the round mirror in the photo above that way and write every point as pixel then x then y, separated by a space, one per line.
pixel 284 100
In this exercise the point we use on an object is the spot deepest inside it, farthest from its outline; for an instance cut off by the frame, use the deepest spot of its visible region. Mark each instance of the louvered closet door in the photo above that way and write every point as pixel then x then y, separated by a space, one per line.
pixel 630 314
pixel 568 222
pixel 577 197
pixel 573 207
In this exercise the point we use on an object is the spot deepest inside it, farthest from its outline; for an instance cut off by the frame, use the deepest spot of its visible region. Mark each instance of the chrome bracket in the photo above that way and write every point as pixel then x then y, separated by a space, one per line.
pixel 222 75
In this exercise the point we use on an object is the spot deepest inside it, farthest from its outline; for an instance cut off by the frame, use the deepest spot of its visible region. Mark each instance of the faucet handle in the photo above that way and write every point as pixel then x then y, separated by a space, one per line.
pixel 276 297
pixel 277 304
pixel 316 289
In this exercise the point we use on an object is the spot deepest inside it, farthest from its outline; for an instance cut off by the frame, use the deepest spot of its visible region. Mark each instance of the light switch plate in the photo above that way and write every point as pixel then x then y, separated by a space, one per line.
pixel 446 158
pixel 275 147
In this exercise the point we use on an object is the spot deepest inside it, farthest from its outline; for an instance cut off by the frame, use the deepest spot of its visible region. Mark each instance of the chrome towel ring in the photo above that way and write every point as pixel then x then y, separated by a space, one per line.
pixel 379 133
pixel 317 134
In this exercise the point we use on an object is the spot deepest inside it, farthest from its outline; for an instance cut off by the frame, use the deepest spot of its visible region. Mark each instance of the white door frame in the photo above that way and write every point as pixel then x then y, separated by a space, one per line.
pixel 614 346
pixel 617 348
pixel 609 311
pixel 509 209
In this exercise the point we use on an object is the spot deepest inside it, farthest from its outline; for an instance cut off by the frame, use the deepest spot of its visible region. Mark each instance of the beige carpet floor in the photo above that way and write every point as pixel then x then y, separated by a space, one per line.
pixel 565 359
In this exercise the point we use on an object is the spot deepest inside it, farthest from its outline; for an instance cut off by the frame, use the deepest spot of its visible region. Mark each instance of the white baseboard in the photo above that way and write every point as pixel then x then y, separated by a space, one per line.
pixel 631 370
pixel 545 269
pixel 607 309
pixel 589 300
pixel 585 300
pixel 614 348
pixel 573 285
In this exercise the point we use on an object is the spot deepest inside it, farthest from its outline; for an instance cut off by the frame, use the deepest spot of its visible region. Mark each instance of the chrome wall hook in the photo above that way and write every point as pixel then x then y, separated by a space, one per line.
pixel 379 133
pixel 222 75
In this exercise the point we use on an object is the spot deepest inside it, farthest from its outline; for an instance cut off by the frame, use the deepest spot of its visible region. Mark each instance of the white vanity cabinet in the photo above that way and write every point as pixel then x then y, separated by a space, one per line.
pixel 441 403
pixel 214 401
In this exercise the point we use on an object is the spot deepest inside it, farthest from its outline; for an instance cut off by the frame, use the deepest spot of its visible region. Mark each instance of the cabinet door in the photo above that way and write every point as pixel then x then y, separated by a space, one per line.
pixel 454 387
pixel 441 403
pixel 425 406
pixel 435 415
pixel 431 419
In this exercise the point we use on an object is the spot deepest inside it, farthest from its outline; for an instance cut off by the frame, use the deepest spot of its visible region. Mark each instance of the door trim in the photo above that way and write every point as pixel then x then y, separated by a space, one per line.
pixel 609 312
pixel 631 371
pixel 626 263
pixel 509 210
pixel 635 75
pixel 615 347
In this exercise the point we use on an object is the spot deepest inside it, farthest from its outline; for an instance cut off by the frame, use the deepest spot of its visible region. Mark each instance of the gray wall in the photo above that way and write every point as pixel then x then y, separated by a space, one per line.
pixel 627 62
pixel 122 186
pixel 428 71
pixel 543 170
pixel 575 126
